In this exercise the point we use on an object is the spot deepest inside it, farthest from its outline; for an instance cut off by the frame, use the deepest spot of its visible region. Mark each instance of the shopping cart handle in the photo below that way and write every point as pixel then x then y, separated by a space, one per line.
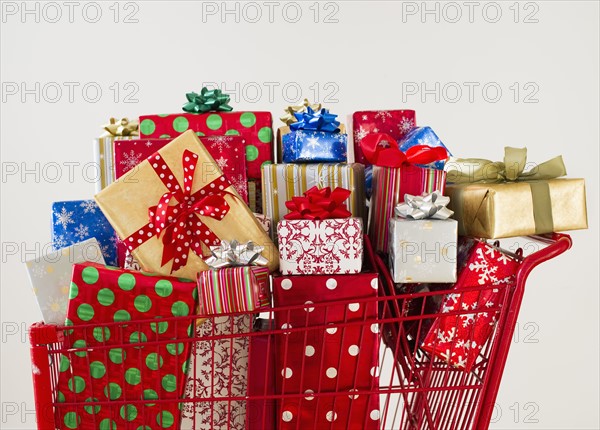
pixel 557 244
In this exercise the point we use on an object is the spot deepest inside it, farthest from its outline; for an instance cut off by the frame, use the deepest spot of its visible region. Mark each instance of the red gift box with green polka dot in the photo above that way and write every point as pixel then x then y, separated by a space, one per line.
pixel 254 127
pixel 111 362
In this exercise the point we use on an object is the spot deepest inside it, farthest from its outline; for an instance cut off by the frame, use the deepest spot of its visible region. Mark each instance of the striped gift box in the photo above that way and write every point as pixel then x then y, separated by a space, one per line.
pixel 281 182
pixel 390 184
pixel 233 289
pixel 104 158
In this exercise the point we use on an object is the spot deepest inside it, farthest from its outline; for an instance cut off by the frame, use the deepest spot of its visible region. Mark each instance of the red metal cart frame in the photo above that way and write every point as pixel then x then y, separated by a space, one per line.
pixel 416 390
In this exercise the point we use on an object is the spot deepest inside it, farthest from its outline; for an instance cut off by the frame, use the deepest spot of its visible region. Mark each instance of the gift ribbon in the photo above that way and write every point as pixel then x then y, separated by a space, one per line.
pixel 291 111
pixel 180 224
pixel 381 149
pixel 470 170
pixel 319 120
pixel 207 101
pixel 122 127
pixel 232 254
pixel 512 169
pixel 429 205
pixel 319 204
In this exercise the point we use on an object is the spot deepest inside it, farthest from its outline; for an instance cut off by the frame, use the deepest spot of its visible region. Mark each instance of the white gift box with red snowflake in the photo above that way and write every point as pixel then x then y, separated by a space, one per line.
pixel 328 247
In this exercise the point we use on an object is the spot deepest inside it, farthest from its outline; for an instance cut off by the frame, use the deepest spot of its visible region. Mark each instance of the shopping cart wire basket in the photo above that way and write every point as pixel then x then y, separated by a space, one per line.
pixel 237 376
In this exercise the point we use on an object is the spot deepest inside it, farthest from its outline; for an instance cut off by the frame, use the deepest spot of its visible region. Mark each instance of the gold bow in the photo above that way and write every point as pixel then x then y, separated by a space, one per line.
pixel 468 170
pixel 122 127
pixel 289 117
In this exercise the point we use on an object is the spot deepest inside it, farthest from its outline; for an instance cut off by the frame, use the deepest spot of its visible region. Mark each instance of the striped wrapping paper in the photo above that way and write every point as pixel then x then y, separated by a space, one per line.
pixel 104 158
pixel 233 289
pixel 390 184
pixel 281 182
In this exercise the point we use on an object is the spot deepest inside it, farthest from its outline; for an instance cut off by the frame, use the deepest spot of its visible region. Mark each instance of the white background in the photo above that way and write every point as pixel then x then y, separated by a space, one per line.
pixel 372 58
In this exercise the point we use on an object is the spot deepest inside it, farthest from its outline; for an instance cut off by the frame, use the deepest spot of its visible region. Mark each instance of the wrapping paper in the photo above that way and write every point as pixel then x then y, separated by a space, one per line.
pixel 396 123
pixel 458 339
pixel 330 246
pixel 103 148
pixel 254 127
pixel 309 146
pixel 519 208
pixel 255 195
pixel 124 361
pixel 423 136
pixel 50 276
pixel 281 182
pixel 261 378
pixel 233 289
pixel 265 222
pixel 77 220
pixel 227 151
pixel 332 360
pixel 423 250
pixel 126 204
pixel 218 372
pixel 389 187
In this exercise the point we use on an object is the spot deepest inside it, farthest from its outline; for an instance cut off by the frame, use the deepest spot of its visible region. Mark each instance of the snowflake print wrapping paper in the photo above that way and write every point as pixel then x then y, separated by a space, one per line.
pixel 218 369
pixel 337 359
pixel 396 123
pixel 330 246
pixel 113 358
pixel 309 146
pixel 458 339
pixel 423 136
pixel 50 277
pixel 254 127
pixel 78 220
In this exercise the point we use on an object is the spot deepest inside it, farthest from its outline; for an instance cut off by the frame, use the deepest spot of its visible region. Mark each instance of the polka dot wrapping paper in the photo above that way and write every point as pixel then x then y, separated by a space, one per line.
pixel 212 211
pixel 124 360
pixel 254 127
pixel 332 358
pixel 458 339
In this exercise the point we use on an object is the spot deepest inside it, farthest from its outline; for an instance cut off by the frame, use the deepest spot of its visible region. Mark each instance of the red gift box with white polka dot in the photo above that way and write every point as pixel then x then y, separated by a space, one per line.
pixel 255 127
pixel 114 359
pixel 325 366
pixel 459 338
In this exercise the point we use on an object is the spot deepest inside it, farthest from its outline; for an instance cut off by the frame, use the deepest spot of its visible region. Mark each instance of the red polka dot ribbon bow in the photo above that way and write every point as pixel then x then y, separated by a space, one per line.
pixel 318 204
pixel 180 223
pixel 381 149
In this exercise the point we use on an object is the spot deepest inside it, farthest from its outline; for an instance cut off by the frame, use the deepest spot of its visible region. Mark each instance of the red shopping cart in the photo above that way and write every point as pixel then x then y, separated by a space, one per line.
pixel 413 388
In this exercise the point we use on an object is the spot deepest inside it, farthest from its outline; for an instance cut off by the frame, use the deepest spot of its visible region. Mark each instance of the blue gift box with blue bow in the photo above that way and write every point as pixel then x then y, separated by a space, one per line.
pixel 78 220
pixel 315 137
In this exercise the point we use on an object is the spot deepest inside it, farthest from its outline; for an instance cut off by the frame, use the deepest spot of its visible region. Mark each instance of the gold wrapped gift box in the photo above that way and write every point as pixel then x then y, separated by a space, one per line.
pixel 508 209
pixel 126 202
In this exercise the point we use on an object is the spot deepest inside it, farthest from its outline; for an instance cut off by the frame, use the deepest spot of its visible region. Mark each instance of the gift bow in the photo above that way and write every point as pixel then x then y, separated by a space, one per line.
pixel 319 120
pixel 206 101
pixel 180 224
pixel 432 205
pixel 122 127
pixel 319 204
pixel 466 170
pixel 233 254
pixel 381 149
pixel 290 111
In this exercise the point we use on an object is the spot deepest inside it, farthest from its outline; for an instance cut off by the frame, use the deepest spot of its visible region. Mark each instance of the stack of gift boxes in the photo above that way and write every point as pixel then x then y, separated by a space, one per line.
pixel 193 221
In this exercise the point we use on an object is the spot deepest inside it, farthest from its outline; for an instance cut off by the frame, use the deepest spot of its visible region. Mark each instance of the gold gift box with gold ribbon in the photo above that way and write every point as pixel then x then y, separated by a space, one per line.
pixel 127 202
pixel 499 199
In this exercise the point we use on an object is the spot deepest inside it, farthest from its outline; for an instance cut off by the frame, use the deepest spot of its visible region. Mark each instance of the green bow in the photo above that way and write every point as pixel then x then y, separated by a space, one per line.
pixel 468 170
pixel 206 101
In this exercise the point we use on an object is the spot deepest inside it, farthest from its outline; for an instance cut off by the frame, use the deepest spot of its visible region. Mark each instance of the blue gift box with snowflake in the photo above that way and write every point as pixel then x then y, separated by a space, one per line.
pixel 78 220
pixel 423 136
pixel 315 137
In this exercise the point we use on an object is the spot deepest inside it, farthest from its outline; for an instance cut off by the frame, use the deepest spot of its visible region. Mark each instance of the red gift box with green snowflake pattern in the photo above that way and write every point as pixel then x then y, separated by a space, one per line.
pixel 254 127
pixel 112 360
